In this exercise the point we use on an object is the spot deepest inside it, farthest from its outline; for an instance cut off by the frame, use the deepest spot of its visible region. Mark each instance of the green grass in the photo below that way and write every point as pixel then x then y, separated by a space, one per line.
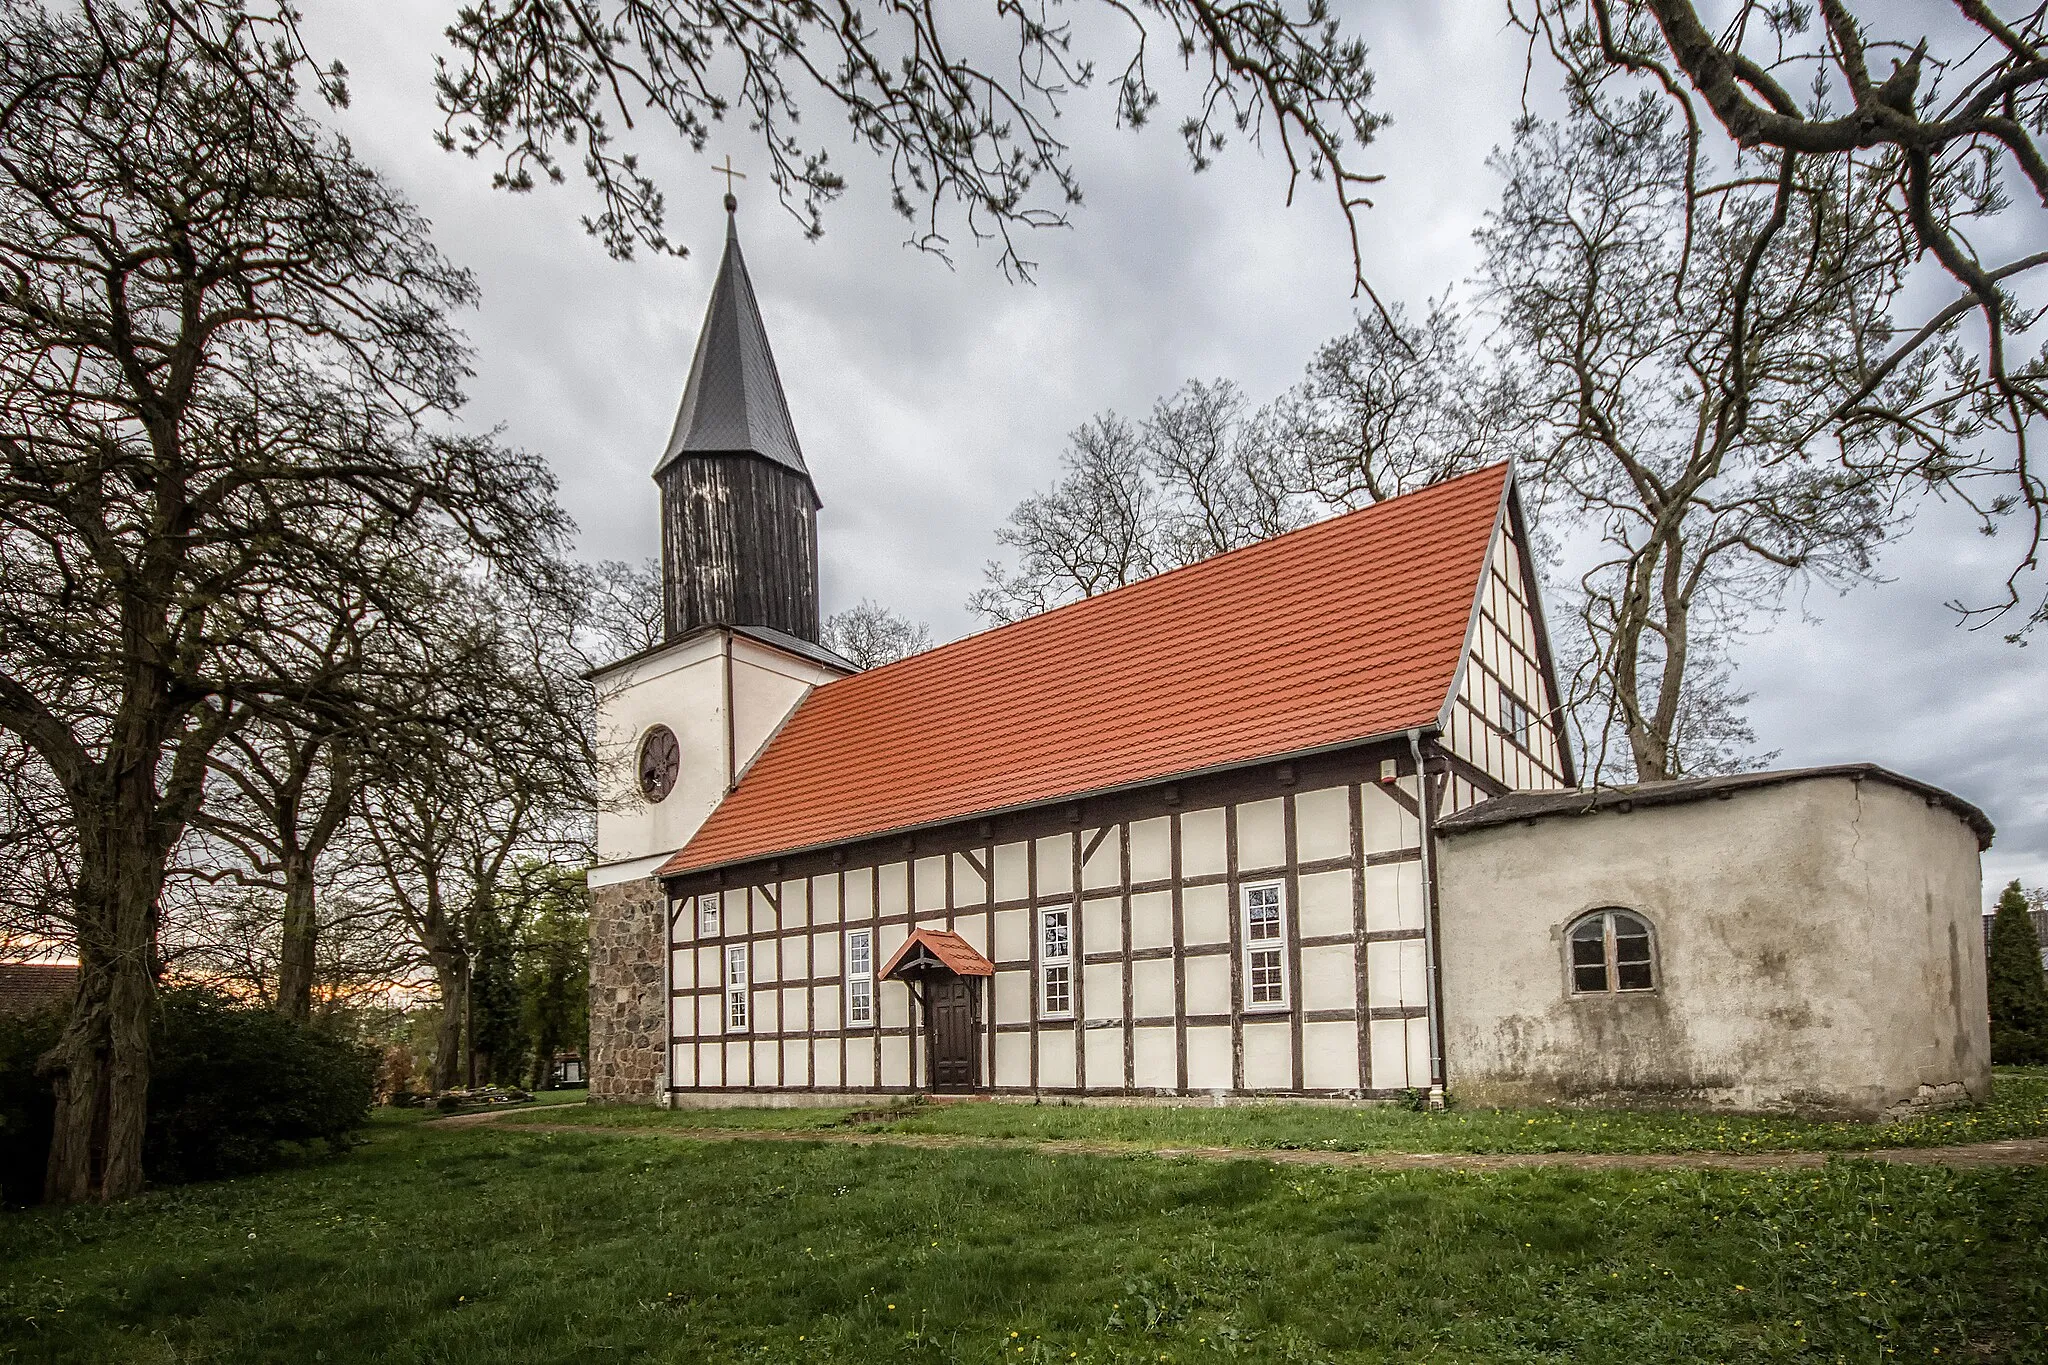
pixel 495 1245
pixel 2018 1108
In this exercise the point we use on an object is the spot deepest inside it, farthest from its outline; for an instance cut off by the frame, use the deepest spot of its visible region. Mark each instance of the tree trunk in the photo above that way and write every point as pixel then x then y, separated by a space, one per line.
pixel 296 961
pixel 449 977
pixel 99 1068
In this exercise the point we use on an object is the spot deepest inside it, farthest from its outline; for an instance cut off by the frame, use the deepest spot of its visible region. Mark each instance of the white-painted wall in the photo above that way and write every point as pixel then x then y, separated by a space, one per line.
pixel 685 688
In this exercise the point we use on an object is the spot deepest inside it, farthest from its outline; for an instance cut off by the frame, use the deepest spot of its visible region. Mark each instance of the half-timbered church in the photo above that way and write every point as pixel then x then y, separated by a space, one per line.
pixel 1300 820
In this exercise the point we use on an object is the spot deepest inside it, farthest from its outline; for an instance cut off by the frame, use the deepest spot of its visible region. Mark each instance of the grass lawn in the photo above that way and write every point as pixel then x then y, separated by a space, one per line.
pixel 489 1244
pixel 2018 1108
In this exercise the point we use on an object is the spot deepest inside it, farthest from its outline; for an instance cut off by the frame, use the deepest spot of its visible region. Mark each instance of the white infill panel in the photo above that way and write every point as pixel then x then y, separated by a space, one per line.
pixel 1055 865
pixel 1155 1062
pixel 1322 824
pixel 1329 1056
pixel 1389 1054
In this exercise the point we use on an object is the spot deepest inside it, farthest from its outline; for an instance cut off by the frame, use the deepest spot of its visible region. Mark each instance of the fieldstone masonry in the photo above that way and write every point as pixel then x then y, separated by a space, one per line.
pixel 627 1015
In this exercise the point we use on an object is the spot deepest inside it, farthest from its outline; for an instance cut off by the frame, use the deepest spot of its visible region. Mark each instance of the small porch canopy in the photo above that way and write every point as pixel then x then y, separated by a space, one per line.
pixel 928 950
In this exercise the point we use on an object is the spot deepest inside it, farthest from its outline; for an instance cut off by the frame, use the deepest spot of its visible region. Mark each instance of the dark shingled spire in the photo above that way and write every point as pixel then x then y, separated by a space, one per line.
pixel 739 513
pixel 733 404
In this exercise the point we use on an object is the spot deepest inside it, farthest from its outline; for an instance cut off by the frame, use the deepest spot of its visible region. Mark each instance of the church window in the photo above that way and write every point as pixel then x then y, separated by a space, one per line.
pixel 860 978
pixel 661 758
pixel 1610 951
pixel 1056 961
pixel 736 988
pixel 707 915
pixel 1515 719
pixel 1265 947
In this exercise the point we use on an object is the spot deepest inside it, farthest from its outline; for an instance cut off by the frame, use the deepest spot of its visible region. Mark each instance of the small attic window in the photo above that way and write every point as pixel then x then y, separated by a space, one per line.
pixel 1516 720
pixel 1611 952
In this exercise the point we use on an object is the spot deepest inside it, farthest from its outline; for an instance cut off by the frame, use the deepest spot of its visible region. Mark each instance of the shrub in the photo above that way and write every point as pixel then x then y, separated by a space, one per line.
pixel 2019 997
pixel 233 1088
pixel 26 1104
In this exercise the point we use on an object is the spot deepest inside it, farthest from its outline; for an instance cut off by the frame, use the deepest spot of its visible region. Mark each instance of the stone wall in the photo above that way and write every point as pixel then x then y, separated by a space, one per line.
pixel 628 1021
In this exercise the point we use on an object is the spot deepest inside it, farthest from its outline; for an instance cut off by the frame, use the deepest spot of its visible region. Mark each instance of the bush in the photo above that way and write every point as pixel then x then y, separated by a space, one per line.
pixel 233 1089
pixel 26 1105
pixel 236 1089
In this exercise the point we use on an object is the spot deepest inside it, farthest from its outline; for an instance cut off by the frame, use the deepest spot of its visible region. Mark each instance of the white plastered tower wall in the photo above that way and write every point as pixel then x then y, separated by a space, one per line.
pixel 723 695
pixel 1815 950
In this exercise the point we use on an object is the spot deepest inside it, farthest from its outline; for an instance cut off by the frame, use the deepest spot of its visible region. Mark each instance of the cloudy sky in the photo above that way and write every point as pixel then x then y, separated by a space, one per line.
pixel 930 400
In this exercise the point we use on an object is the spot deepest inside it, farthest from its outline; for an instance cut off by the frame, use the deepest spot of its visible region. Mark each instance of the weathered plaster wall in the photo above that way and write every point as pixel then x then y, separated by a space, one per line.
pixel 626 1015
pixel 1814 952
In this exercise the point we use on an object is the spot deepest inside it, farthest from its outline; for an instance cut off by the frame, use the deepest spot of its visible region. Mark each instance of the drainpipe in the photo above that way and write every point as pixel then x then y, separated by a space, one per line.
pixel 1433 979
pixel 665 1097
pixel 732 757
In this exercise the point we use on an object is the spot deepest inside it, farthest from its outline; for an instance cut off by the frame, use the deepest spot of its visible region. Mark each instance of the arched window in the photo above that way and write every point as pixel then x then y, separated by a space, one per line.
pixel 1611 952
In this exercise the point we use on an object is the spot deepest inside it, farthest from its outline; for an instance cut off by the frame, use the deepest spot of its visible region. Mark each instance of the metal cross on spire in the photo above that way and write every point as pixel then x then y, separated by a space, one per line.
pixel 730 175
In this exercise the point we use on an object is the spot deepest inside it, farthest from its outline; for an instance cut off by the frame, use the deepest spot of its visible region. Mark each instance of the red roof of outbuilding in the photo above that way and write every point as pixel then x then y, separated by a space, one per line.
pixel 948 947
pixel 1339 632
pixel 26 987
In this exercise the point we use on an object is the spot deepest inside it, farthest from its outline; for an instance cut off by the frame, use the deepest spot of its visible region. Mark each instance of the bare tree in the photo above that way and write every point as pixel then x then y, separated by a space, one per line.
pixel 869 635
pixel 282 796
pixel 531 78
pixel 1224 479
pixel 1100 526
pixel 449 808
pixel 221 339
pixel 1925 147
pixel 622 613
pixel 1679 359
pixel 1390 407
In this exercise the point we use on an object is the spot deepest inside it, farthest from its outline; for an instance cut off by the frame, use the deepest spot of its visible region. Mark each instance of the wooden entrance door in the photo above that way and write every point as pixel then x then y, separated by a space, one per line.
pixel 953 1032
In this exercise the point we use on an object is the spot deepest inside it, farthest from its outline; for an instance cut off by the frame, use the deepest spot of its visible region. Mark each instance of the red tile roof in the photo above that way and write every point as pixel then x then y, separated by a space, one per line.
pixel 949 948
pixel 28 987
pixel 1339 632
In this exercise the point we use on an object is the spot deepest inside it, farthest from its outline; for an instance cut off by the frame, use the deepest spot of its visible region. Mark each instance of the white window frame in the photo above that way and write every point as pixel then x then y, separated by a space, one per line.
pixel 739 1004
pixel 1061 962
pixel 860 1005
pixel 708 908
pixel 1255 949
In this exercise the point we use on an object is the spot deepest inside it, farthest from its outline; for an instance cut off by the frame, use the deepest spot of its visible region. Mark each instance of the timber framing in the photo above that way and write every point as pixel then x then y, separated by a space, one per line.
pixel 1111 1045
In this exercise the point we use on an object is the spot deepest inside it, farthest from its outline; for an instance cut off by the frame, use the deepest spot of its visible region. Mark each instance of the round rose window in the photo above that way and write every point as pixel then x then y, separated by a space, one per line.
pixel 660 759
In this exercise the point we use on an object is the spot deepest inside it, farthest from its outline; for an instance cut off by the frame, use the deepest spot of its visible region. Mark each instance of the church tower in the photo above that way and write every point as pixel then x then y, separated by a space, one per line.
pixel 739 514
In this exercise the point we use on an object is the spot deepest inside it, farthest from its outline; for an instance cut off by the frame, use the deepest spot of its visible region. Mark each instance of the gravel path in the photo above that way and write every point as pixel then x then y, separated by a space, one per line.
pixel 2013 1152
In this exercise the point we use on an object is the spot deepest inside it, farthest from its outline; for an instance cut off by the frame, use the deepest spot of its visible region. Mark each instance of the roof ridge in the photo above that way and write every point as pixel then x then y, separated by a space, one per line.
pixel 1164 575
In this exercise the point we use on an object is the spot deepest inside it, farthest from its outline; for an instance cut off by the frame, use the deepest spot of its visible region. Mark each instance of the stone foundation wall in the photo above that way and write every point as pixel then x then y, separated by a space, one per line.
pixel 628 1021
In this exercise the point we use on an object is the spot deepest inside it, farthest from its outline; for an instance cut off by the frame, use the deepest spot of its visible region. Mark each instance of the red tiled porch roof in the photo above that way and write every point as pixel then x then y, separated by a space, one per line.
pixel 1340 632
pixel 949 948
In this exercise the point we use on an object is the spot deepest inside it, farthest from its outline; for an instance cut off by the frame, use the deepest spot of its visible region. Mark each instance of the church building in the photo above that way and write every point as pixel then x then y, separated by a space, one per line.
pixel 1297 821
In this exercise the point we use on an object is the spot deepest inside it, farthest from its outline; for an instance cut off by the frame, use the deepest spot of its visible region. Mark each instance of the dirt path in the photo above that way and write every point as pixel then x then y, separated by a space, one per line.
pixel 2014 1152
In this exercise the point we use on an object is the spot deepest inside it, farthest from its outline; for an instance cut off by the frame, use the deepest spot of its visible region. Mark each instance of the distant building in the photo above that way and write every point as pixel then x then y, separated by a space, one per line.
pixel 26 987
